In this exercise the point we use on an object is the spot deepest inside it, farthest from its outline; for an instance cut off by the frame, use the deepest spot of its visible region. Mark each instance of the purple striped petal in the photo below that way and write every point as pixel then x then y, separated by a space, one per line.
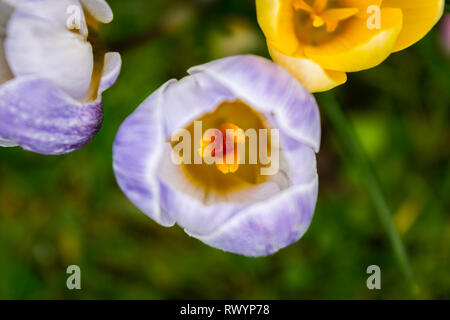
pixel 267 226
pixel 39 117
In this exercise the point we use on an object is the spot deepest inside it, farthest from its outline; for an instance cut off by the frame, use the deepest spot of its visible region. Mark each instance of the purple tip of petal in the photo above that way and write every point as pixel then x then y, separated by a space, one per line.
pixel 39 117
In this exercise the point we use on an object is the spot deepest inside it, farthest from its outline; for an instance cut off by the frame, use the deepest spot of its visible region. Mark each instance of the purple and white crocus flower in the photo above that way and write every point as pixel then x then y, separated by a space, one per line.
pixel 51 76
pixel 241 211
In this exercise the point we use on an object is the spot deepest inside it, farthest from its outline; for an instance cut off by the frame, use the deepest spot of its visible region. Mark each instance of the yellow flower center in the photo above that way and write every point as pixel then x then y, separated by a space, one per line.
pixel 229 122
pixel 316 21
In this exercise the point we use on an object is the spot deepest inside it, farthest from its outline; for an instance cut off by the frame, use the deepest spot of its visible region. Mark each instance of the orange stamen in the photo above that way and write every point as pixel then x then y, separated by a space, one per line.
pixel 224 142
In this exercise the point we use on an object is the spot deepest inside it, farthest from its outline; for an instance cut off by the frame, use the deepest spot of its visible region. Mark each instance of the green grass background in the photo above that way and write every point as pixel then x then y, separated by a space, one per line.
pixel 58 211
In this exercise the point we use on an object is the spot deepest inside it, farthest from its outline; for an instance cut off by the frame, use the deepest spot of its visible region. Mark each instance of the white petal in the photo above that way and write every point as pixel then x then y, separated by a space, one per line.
pixel 42 118
pixel 111 70
pixel 173 176
pixel 5 73
pixel 38 42
pixel 99 9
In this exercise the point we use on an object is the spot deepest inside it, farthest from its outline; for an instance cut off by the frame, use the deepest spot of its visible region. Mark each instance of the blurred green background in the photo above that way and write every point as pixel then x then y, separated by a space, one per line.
pixel 58 211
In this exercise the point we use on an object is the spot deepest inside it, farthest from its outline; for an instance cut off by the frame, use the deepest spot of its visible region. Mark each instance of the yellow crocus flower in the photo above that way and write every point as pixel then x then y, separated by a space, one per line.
pixel 318 41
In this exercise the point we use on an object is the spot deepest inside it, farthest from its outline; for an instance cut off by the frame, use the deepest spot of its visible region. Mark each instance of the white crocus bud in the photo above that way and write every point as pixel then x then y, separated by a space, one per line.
pixel 38 41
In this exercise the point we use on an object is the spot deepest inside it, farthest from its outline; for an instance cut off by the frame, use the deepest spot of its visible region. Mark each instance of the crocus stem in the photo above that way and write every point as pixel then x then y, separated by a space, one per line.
pixel 350 141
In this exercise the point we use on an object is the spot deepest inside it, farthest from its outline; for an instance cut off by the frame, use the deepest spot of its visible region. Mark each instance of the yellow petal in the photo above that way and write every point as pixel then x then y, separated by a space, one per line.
pixel 301 4
pixel 362 5
pixel 356 47
pixel 419 16
pixel 318 21
pixel 310 74
pixel 276 19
